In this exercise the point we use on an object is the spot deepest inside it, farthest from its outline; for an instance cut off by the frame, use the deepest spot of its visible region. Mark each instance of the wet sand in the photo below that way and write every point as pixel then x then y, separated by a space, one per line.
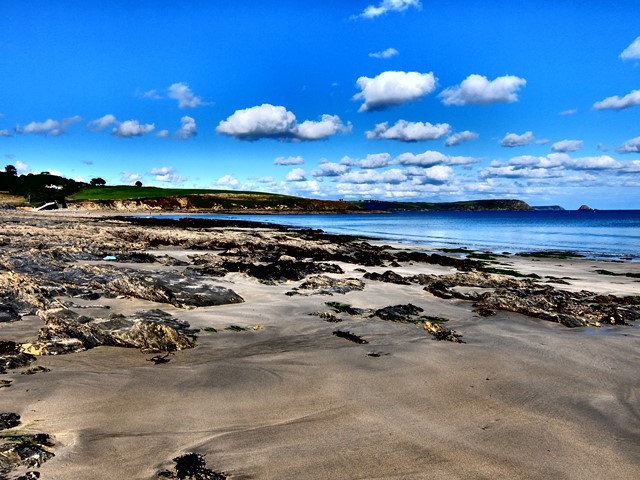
pixel 523 398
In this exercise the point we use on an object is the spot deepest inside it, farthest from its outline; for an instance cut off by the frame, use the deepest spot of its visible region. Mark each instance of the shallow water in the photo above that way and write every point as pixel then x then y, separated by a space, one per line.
pixel 608 234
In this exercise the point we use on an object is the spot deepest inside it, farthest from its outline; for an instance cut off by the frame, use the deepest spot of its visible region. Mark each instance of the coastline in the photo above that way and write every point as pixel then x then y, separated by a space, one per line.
pixel 523 397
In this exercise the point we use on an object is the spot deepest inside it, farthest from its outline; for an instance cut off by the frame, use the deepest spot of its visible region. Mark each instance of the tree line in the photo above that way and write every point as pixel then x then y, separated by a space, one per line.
pixel 42 187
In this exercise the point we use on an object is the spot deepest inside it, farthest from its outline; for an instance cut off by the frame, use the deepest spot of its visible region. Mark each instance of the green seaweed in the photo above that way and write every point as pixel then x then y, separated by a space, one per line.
pixel 338 307
pixel 550 254
pixel 236 328
pixel 209 329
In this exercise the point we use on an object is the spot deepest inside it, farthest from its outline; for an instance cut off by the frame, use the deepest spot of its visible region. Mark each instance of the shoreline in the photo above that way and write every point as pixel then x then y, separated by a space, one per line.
pixel 269 389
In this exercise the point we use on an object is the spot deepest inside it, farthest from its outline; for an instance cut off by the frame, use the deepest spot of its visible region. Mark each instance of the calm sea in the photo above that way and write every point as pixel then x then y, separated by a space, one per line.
pixel 603 234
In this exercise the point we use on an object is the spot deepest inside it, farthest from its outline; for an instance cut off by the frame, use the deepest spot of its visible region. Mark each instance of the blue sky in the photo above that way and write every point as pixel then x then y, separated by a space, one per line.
pixel 388 99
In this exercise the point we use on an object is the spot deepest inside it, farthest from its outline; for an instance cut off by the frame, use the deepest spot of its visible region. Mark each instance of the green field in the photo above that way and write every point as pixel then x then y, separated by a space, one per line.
pixel 126 192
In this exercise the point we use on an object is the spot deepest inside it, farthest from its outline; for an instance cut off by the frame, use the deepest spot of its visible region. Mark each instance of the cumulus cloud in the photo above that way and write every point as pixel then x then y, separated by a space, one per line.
pixel 393 175
pixel 269 121
pixel 132 128
pixel 163 134
pixel 513 171
pixel 567 146
pixel 434 175
pixel 328 126
pixel 632 52
pixel 166 175
pixel 184 95
pixel 393 88
pixel 330 169
pixel 102 122
pixel 513 140
pixel 48 127
pixel 477 89
pixel 149 94
pixel 228 181
pixel 460 137
pixel 188 128
pixel 385 6
pixel 424 159
pixel 603 162
pixel 296 175
pixel 373 160
pixel 22 167
pixel 5 133
pixel 289 161
pixel 630 146
pixel 387 53
pixel 619 103
pixel 130 178
pixel 409 131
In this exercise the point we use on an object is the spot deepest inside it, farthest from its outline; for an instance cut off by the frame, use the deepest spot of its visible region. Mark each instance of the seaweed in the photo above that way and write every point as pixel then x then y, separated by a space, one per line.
pixel 350 336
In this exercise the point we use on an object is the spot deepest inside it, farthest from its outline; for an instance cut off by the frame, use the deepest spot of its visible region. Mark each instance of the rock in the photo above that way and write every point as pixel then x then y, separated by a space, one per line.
pixel 350 336
pixel 191 466
pixel 324 285
pixel 399 313
pixel 585 207
pixel 150 331
pixel 8 314
pixel 12 357
pixel 388 276
pixel 9 420
pixel 442 333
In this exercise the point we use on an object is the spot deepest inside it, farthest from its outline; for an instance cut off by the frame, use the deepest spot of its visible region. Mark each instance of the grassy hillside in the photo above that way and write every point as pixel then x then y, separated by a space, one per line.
pixel 126 192
pixel 471 205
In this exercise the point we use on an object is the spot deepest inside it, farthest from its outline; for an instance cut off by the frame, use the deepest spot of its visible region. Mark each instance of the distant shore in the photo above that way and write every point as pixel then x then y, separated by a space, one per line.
pixel 292 353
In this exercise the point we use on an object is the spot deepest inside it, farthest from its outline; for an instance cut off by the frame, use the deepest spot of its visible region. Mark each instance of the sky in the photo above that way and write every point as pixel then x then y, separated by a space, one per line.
pixel 408 100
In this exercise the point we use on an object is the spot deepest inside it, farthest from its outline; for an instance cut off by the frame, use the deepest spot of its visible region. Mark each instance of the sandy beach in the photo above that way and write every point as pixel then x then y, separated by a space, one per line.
pixel 269 391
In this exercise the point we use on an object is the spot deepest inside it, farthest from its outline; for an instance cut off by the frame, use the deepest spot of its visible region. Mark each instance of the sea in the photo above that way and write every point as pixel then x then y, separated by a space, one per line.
pixel 604 234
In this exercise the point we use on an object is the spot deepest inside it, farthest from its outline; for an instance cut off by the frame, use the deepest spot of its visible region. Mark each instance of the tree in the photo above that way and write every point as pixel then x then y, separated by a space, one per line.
pixel 138 183
pixel 98 182
pixel 11 170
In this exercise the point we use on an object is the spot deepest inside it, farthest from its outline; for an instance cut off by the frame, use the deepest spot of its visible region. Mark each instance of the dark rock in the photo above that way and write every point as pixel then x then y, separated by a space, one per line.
pixel 11 357
pixel 388 276
pixel 191 466
pixel 349 336
pixel 441 333
pixel 9 420
pixel 399 313
pixel 8 314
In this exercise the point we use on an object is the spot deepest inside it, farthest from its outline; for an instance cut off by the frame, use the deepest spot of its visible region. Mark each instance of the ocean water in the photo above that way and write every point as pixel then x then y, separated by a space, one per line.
pixel 610 234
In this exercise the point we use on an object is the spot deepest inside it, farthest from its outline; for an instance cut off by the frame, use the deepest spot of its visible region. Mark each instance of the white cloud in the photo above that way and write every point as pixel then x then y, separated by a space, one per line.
pixel 619 103
pixel 435 174
pixel 149 94
pixel 48 127
pixel 269 121
pixel 296 175
pixel 458 138
pixel 603 162
pixel 132 128
pixel 387 53
pixel 228 181
pixel 393 175
pixel 22 167
pixel 385 6
pixel 567 146
pixel 289 161
pixel 477 89
pixel 102 122
pixel 184 95
pixel 188 128
pixel 427 158
pixel 373 160
pixel 166 175
pixel 552 160
pixel 393 88
pixel 330 169
pixel 163 134
pixel 405 131
pixel 5 133
pixel 328 126
pixel 632 52
pixel 571 111
pixel 513 140
pixel 130 178
pixel 630 146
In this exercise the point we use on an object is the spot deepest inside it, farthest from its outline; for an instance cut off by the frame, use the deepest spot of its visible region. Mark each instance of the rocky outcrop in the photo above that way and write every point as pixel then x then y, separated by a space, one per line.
pixel 152 331
pixel 325 285
pixel 19 449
